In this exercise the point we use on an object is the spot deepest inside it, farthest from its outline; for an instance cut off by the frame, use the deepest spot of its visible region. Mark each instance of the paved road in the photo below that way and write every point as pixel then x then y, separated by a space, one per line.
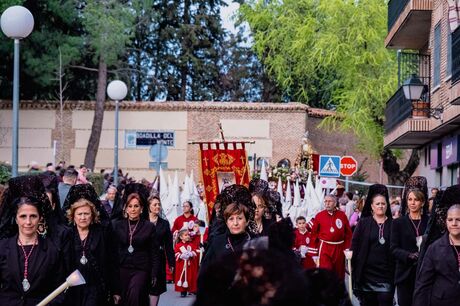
pixel 172 298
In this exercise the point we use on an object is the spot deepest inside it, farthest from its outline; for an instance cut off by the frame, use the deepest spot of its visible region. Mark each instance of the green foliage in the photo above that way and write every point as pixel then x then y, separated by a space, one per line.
pixel 329 53
pixel 57 25
pixel 7 3
pixel 398 153
pixel 360 176
pixel 97 180
pixel 109 27
pixel 5 173
pixel 167 50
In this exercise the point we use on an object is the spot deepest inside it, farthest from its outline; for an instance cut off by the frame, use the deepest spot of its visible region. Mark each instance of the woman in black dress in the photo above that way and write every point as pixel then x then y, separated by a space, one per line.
pixel 372 263
pixel 265 211
pixel 231 242
pixel 406 238
pixel 165 243
pixel 138 253
pixel 437 281
pixel 94 255
pixel 31 266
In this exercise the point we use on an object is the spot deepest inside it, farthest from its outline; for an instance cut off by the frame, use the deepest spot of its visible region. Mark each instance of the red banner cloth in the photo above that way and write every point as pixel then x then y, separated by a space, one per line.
pixel 222 164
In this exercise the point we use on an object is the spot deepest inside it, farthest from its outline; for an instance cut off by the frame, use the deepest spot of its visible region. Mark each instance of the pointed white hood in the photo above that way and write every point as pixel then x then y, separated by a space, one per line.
pixel 263 172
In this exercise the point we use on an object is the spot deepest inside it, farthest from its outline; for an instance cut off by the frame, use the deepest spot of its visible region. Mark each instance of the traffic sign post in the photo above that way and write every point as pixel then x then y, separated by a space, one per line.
pixel 348 166
pixel 329 166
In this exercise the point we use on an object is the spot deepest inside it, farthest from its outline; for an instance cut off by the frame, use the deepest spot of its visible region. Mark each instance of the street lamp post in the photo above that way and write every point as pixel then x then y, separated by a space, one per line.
pixel 17 22
pixel 117 91
pixel 413 88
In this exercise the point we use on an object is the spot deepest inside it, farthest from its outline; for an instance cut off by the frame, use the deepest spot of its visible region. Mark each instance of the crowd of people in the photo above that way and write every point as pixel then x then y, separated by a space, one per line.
pixel 401 250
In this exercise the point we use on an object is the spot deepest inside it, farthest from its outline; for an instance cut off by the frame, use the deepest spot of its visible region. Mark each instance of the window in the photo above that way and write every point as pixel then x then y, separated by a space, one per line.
pixel 453 174
pixel 429 155
pixel 437 56
pixel 425 157
pixel 449 54
pixel 439 176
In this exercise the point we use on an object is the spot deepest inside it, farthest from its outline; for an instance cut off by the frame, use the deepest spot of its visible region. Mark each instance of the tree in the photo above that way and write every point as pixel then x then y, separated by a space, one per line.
pixel 57 27
pixel 332 50
pixel 242 76
pixel 109 26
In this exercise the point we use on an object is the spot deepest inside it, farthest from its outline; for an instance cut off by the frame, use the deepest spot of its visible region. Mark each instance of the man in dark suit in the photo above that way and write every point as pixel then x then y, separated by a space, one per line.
pixel 112 203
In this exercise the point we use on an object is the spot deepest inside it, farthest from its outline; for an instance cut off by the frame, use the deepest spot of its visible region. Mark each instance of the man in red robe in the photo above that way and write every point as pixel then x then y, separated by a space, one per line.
pixel 330 236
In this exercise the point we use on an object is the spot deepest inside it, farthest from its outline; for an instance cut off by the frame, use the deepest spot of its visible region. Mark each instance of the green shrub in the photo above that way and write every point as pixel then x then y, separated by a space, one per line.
pixel 97 180
pixel 5 172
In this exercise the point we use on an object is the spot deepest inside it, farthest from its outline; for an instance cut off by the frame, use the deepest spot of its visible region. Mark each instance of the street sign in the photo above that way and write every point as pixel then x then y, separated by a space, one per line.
pixel 327 182
pixel 147 138
pixel 348 165
pixel 329 166
pixel 159 154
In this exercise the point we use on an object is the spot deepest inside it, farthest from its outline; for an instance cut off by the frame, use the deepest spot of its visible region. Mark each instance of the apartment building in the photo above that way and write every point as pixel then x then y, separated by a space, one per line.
pixel 426 36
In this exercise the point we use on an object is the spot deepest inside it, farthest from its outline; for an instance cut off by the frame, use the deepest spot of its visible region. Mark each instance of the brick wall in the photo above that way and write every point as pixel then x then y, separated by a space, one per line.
pixel 66 139
pixel 286 130
pixel 279 135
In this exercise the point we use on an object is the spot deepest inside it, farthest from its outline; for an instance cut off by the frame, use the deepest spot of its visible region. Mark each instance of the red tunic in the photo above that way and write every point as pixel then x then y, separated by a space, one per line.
pixel 304 240
pixel 182 222
pixel 330 236
pixel 178 224
pixel 186 271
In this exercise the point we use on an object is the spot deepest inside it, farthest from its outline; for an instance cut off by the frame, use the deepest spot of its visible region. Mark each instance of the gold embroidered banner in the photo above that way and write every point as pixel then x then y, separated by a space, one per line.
pixel 222 164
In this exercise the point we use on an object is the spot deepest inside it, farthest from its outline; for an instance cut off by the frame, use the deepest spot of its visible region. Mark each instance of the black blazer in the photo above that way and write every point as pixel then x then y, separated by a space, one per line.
pixel 438 281
pixel 360 246
pixel 220 248
pixel 45 274
pixel 146 250
pixel 101 271
pixel 117 209
pixel 403 243
pixel 165 242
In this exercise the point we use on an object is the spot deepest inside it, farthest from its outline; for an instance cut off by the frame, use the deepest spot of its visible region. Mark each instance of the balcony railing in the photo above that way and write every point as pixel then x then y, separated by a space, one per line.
pixel 395 8
pixel 399 108
pixel 456 56
pixel 414 63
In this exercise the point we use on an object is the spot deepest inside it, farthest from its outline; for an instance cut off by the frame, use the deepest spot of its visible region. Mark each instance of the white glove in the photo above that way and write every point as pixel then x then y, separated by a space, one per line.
pixel 303 250
pixel 184 256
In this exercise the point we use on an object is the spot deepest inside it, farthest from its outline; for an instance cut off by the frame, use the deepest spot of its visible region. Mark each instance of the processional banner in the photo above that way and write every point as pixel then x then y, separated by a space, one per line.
pixel 222 164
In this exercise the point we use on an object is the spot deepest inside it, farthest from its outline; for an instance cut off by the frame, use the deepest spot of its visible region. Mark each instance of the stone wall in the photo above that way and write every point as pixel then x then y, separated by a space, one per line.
pixel 275 128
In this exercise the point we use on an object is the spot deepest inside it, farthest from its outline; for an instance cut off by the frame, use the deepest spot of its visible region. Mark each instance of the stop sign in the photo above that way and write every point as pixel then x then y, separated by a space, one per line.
pixel 348 165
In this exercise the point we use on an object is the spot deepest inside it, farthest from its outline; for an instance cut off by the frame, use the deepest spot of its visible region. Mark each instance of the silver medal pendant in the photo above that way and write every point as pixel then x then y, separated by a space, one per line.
pixel 130 249
pixel 25 284
pixel 83 260
pixel 332 229
pixel 382 240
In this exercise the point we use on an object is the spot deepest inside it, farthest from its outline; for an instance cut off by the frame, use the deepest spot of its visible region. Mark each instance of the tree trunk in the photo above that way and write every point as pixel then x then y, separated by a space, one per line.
pixel 96 129
pixel 396 176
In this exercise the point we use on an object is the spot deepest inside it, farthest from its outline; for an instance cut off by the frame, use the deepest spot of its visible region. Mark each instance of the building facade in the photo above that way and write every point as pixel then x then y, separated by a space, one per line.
pixel 47 135
pixel 428 47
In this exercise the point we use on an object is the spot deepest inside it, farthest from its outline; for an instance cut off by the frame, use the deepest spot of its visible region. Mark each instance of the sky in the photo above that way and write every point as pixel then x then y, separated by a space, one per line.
pixel 226 14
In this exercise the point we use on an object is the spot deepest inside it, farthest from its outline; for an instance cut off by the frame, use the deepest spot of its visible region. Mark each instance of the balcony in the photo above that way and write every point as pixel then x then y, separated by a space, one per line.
pixel 407 123
pixel 409 23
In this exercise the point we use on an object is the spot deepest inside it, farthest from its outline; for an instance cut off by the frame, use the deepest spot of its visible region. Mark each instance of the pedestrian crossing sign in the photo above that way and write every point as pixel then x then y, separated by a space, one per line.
pixel 329 166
